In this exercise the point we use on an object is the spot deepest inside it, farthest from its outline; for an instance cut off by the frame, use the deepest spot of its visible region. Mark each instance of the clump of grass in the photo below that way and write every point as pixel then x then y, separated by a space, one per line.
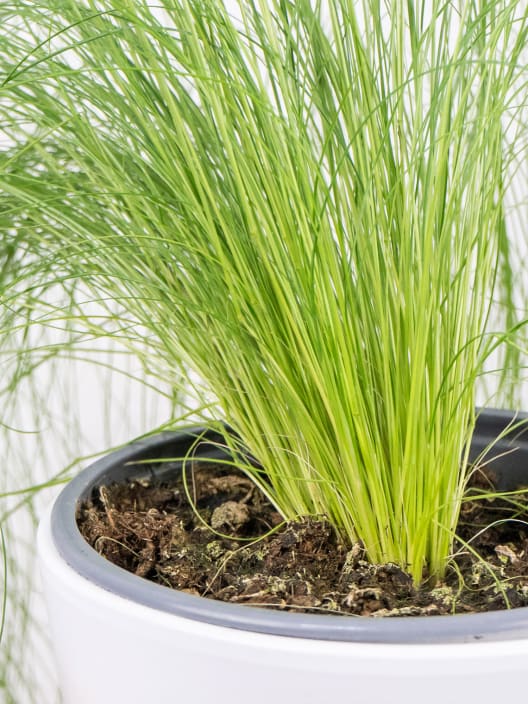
pixel 304 203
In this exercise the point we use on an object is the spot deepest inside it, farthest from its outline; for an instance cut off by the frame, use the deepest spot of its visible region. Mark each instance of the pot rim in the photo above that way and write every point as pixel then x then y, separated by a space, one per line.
pixel 511 470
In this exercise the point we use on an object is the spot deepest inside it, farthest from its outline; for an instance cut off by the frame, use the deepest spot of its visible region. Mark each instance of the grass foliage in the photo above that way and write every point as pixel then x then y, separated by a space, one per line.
pixel 303 202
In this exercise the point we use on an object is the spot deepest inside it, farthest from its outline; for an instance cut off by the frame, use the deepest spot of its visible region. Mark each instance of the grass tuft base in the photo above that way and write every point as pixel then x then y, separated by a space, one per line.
pixel 152 531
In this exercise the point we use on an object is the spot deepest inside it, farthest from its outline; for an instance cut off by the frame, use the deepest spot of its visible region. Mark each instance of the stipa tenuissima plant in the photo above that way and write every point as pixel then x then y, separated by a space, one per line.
pixel 303 201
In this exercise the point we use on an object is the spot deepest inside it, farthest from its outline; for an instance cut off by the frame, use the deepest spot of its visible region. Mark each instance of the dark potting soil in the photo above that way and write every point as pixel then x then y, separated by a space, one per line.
pixel 152 531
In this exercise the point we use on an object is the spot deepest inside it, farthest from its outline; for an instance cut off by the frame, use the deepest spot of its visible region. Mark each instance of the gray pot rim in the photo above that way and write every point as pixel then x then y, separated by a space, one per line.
pixel 492 626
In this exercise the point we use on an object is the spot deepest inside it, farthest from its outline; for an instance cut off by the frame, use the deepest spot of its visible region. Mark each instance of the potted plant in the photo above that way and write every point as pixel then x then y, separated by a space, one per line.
pixel 305 205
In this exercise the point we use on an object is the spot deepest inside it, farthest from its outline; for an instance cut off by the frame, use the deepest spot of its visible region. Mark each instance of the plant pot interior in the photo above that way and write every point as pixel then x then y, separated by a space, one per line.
pixel 508 467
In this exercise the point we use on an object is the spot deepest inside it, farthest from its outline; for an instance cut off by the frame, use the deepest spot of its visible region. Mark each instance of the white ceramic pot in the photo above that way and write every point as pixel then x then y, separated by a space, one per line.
pixel 120 639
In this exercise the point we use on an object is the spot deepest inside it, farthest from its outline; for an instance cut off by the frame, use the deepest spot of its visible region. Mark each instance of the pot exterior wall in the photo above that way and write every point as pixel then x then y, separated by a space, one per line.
pixel 110 650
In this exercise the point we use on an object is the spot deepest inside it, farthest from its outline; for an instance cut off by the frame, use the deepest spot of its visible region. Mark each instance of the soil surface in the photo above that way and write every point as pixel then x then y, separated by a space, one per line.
pixel 218 551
